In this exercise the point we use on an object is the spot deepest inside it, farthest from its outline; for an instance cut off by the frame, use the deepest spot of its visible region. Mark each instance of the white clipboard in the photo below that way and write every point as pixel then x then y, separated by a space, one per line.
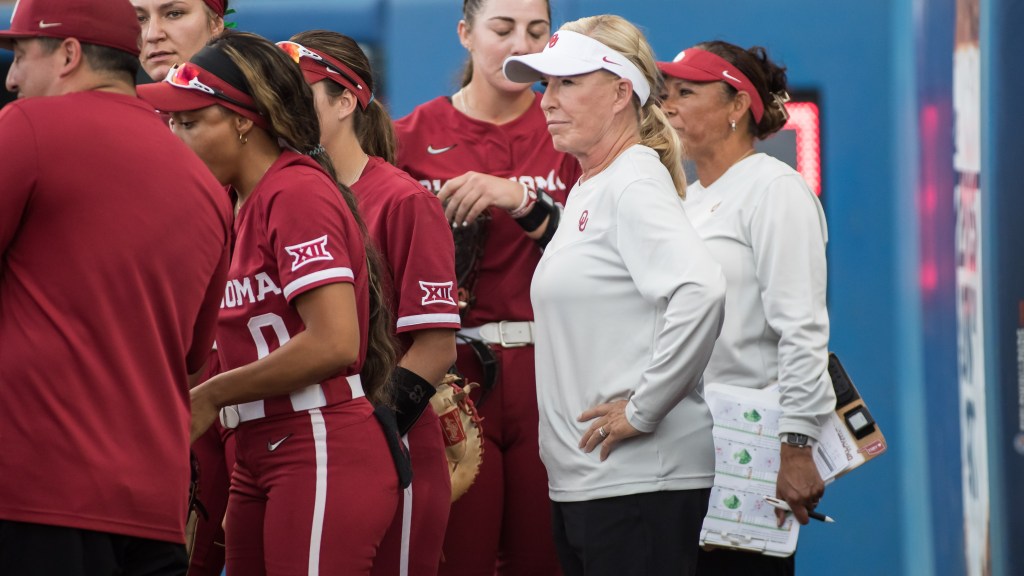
pixel 747 457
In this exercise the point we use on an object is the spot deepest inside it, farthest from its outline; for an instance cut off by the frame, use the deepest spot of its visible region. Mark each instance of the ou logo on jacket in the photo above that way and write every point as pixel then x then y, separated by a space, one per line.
pixel 584 218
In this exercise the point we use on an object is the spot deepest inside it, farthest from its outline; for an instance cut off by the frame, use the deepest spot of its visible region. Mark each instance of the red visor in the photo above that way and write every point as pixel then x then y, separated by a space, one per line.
pixel 698 65
pixel 189 87
pixel 317 66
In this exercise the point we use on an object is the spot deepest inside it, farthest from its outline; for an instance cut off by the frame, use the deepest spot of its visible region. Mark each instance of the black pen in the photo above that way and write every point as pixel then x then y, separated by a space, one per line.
pixel 782 505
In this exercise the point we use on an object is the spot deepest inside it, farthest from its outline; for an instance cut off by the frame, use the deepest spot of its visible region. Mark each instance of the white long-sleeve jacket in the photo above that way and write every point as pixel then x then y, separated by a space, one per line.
pixel 767 230
pixel 628 303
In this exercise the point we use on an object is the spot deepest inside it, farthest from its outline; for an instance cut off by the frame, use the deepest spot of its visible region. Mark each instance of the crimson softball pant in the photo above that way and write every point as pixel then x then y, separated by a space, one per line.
pixel 412 546
pixel 503 523
pixel 312 493
pixel 215 451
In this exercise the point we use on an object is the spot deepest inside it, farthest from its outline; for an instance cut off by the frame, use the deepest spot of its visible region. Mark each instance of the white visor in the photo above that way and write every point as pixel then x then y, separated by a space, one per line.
pixel 570 54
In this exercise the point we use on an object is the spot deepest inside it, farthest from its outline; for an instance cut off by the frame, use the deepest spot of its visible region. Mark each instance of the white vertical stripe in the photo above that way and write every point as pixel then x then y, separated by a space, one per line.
pixel 320 498
pixel 355 383
pixel 403 565
pixel 307 398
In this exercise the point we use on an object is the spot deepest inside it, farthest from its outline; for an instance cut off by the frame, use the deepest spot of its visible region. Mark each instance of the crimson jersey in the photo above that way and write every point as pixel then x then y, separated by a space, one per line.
pixel 437 143
pixel 408 226
pixel 292 235
pixel 113 237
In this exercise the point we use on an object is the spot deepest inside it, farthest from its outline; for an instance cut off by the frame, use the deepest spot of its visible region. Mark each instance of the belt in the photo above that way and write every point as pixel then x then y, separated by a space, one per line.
pixel 308 398
pixel 506 334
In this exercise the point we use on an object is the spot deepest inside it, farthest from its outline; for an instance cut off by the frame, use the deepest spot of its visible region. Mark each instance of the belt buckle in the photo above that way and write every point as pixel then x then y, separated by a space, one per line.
pixel 229 417
pixel 501 335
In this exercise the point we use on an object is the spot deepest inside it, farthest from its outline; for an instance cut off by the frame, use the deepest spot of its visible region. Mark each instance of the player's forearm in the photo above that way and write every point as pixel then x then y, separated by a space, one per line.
pixel 431 355
pixel 303 360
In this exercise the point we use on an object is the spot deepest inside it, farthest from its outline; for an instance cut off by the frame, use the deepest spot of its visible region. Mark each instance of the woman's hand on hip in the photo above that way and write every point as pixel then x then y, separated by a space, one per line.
pixel 609 426
pixel 466 197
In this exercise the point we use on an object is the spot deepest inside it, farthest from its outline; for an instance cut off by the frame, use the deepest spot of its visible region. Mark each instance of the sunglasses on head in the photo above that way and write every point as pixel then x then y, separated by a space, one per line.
pixel 298 52
pixel 187 76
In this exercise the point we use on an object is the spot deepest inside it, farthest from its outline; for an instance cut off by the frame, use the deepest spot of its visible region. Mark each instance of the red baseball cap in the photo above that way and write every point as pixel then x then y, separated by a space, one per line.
pixel 698 65
pixel 110 23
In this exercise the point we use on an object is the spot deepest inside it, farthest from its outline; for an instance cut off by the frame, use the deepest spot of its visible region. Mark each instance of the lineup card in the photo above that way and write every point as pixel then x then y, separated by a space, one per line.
pixel 746 464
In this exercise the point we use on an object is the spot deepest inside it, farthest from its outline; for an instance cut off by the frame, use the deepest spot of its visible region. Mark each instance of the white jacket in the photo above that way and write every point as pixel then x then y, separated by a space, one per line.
pixel 767 230
pixel 628 303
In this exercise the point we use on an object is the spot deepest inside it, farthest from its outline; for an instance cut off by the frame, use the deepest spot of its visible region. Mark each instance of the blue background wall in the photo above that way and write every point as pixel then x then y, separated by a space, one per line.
pixel 883 70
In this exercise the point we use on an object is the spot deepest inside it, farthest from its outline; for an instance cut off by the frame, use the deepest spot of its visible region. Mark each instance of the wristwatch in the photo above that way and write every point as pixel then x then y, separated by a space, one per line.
pixel 798 440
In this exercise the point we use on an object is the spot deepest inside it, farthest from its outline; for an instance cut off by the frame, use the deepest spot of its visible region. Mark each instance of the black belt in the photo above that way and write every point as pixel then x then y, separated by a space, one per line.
pixel 488 364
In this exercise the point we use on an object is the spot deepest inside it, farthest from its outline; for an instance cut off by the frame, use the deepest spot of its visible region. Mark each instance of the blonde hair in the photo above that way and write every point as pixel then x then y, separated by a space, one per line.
pixel 622 36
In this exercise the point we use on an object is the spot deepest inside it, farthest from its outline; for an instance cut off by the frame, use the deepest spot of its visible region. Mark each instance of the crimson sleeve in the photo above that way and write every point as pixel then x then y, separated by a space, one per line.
pixel 312 232
pixel 206 323
pixel 421 255
pixel 19 168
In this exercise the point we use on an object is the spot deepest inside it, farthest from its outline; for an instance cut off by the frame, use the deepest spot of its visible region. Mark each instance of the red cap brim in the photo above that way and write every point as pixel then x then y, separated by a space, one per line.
pixel 686 72
pixel 167 98
pixel 314 72
pixel 313 76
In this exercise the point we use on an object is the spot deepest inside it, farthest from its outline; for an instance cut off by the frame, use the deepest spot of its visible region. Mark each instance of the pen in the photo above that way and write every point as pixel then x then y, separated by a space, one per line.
pixel 782 505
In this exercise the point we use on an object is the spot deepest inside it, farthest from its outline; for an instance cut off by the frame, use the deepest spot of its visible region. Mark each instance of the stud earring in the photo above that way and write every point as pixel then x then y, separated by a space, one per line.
pixel 732 124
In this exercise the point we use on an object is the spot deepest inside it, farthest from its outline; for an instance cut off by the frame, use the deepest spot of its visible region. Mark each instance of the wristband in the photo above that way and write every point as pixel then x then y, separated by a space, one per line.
pixel 549 232
pixel 539 211
pixel 412 395
pixel 529 199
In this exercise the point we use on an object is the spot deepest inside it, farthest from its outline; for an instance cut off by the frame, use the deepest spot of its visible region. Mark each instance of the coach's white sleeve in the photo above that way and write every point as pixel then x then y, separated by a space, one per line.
pixel 788 235
pixel 673 270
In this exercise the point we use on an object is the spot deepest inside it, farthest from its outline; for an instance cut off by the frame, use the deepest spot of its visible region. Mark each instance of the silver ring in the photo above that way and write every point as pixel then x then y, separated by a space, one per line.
pixel 602 432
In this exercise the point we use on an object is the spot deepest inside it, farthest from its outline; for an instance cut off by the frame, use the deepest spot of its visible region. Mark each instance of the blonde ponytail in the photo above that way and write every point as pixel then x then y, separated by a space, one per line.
pixel 656 133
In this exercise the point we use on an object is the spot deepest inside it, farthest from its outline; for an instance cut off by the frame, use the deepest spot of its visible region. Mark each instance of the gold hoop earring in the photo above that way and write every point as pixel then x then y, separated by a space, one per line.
pixel 244 139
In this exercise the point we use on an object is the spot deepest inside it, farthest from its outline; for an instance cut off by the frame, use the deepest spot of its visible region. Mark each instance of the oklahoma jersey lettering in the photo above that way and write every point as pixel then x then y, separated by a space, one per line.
pixel 520 150
pixel 408 226
pixel 294 234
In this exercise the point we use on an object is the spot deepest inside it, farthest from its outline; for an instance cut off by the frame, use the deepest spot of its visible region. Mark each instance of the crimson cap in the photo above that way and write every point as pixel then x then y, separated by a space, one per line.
pixel 698 65
pixel 110 23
